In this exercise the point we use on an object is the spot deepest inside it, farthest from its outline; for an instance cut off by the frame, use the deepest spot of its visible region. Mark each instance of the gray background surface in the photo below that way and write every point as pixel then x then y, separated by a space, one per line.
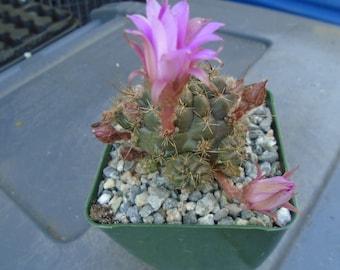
pixel 48 156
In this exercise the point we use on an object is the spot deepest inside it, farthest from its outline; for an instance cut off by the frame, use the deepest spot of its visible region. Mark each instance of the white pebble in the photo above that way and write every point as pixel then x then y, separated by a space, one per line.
pixel 104 198
pixel 120 165
pixel 283 216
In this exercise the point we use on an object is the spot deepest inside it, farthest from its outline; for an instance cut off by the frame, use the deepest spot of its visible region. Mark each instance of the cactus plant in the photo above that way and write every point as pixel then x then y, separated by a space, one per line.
pixel 210 131
pixel 187 120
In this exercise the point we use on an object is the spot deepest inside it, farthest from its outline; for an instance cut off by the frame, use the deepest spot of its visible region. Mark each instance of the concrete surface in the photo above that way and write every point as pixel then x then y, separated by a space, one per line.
pixel 48 156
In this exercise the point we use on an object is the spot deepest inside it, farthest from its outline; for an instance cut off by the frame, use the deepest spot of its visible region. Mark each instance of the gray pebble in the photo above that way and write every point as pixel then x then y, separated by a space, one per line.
pixel 266 123
pixel 269 156
pixel 247 214
pixel 195 196
pixel 169 203
pixel 255 133
pixel 128 165
pixel 266 168
pixel 226 221
pixel 125 206
pixel 132 193
pixel 206 220
pixel 157 196
pixel 184 195
pixel 133 215
pixel 110 172
pixel 190 218
pixel 206 204
pixel 234 210
pixel 221 214
pixel 250 169
pixel 158 218
pixel 207 188
pixel 146 210
pixel 100 188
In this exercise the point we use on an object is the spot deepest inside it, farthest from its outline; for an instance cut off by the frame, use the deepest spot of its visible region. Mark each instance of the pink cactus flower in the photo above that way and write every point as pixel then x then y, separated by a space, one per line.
pixel 170 51
pixel 266 195
pixel 263 195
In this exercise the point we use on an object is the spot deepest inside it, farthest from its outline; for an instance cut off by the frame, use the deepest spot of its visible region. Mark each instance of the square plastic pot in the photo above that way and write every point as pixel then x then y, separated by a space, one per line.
pixel 173 246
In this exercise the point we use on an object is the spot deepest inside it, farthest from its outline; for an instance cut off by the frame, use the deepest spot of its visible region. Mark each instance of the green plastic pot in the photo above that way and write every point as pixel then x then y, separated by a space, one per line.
pixel 173 246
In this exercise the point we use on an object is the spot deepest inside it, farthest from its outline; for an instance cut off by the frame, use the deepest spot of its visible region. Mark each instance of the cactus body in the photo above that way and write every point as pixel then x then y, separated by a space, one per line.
pixel 208 136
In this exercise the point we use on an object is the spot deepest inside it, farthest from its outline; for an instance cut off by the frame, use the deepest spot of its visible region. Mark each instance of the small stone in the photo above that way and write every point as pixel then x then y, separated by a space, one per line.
pixel 258 150
pixel 148 220
pixel 223 200
pixel 216 208
pixel 132 193
pixel 181 208
pixel 141 199
pixel 158 181
pixel 157 196
pixel 124 206
pixel 267 221
pixel 190 206
pixel 269 156
pixel 206 204
pixel 184 195
pixel 120 165
pixel 207 188
pixel 234 210
pixel 256 222
pixel 169 203
pixel 207 220
pixel 158 218
pixel 241 222
pixel 266 142
pixel 255 133
pixel 226 221
pixel 217 194
pixel 247 214
pixel 195 196
pixel 100 188
pixel 173 215
pixel 266 123
pixel 121 218
pixel 128 165
pixel 104 198
pixel 266 168
pixel 250 169
pixel 110 172
pixel 283 216
pixel 133 215
pixel 109 183
pixel 115 203
pixel 146 210
pixel 221 214
pixel 190 218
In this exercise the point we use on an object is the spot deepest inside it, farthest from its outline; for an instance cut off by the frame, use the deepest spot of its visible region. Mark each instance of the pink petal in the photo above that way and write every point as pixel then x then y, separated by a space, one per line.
pixel 156 90
pixel 141 23
pixel 152 8
pixel 181 14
